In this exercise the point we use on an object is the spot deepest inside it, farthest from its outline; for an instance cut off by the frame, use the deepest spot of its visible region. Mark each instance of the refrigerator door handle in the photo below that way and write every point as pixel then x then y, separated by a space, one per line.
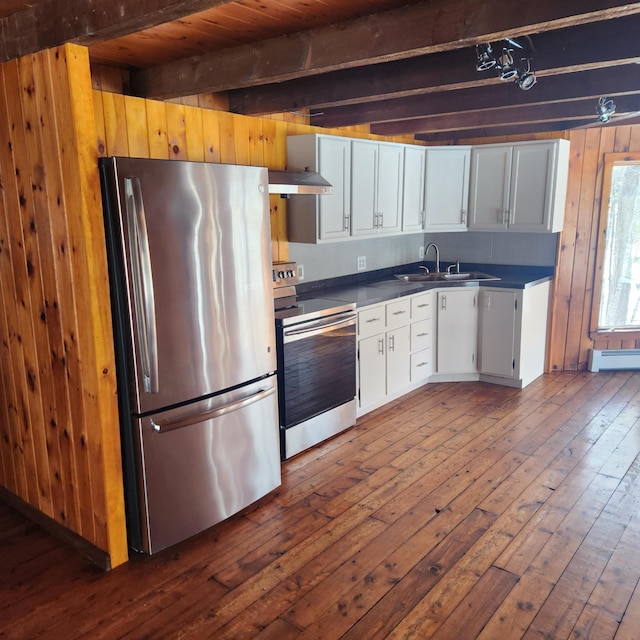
pixel 202 416
pixel 140 257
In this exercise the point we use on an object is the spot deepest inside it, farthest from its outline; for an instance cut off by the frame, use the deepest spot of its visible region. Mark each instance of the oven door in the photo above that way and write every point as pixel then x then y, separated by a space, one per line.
pixel 317 367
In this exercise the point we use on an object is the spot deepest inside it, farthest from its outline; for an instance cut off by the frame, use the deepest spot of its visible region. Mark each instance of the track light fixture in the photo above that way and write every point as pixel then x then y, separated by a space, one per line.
pixel 605 109
pixel 507 64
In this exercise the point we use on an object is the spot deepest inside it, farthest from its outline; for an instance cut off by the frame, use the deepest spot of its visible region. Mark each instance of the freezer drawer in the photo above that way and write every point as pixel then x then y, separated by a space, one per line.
pixel 206 461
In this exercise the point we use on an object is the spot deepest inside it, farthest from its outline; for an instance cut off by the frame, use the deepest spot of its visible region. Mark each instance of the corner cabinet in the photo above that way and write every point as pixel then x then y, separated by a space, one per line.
pixel 320 218
pixel 376 187
pixel 519 187
pixel 512 334
pixel 447 188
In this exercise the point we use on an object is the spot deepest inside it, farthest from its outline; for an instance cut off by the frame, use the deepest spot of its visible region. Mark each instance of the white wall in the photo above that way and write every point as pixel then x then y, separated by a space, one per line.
pixel 341 258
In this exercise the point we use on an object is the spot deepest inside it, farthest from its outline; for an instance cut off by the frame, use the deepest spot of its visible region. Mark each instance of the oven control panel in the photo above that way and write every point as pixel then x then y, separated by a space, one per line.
pixel 285 274
pixel 285 279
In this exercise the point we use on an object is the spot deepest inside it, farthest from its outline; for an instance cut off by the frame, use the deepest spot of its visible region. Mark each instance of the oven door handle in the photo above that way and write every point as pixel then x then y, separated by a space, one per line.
pixel 315 327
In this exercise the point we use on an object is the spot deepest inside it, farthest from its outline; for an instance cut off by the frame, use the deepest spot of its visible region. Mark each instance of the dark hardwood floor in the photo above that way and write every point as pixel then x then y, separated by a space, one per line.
pixel 460 511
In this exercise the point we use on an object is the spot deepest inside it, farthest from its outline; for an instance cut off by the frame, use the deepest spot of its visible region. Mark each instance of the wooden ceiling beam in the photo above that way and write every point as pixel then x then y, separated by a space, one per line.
pixel 466 135
pixel 556 51
pixel 612 81
pixel 424 28
pixel 49 23
pixel 525 114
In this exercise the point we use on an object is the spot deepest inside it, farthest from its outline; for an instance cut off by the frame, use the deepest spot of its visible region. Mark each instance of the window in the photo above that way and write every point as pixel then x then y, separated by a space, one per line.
pixel 616 304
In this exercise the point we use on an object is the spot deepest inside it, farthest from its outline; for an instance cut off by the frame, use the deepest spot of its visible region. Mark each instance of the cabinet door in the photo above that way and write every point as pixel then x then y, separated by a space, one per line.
pixel 532 181
pixel 334 209
pixel 364 167
pixel 489 191
pixel 372 370
pixel 457 331
pixel 398 360
pixel 389 188
pixel 496 335
pixel 413 189
pixel 447 189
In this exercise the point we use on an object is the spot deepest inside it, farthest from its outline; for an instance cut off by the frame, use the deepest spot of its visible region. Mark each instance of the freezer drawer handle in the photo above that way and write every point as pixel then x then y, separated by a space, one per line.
pixel 196 418
pixel 142 284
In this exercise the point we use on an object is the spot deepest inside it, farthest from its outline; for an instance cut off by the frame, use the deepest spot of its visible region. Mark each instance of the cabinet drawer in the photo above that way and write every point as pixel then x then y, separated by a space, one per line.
pixel 371 321
pixel 398 313
pixel 421 365
pixel 421 337
pixel 421 306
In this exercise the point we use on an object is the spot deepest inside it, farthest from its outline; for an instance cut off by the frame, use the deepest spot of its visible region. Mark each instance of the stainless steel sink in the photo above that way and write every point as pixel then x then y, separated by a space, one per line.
pixel 467 276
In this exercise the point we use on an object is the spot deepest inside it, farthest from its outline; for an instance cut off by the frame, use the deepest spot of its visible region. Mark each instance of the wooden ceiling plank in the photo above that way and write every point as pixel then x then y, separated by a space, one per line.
pixel 423 28
pixel 506 115
pixel 559 51
pixel 610 82
pixel 49 23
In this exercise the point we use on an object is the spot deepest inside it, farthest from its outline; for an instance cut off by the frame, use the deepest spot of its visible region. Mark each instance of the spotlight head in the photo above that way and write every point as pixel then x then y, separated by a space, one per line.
pixel 484 55
pixel 526 78
pixel 605 109
pixel 507 68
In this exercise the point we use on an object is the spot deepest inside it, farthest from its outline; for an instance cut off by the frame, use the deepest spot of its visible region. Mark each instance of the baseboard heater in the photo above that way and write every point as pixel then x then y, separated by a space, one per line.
pixel 611 359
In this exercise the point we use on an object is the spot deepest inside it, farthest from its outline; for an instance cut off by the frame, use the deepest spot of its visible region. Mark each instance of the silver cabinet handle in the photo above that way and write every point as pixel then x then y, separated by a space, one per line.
pixel 443 302
pixel 373 320
pixel 392 342
pixel 345 224
pixel 422 335
pixel 145 308
pixel 425 304
pixel 380 346
pixel 464 216
pixel 398 313
pixel 198 417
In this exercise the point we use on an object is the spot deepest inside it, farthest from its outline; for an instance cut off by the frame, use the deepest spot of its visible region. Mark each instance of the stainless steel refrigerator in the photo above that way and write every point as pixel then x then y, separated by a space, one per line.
pixel 190 269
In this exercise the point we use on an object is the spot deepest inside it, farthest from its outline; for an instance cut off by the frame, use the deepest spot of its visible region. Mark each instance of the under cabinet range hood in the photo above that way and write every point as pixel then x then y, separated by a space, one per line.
pixel 298 182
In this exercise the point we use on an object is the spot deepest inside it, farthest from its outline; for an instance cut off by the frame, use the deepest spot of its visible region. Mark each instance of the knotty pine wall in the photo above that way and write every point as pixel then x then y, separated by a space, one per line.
pixel 59 436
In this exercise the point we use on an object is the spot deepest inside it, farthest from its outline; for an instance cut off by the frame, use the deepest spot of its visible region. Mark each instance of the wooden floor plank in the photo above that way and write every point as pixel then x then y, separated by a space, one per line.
pixel 461 510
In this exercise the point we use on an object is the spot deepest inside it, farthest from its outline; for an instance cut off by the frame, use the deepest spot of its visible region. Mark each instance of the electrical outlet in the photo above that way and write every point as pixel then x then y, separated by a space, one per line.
pixel 421 253
pixel 362 263
pixel 300 272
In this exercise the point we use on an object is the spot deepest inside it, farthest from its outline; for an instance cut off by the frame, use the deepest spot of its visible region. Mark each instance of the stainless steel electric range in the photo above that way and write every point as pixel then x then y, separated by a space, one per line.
pixel 316 354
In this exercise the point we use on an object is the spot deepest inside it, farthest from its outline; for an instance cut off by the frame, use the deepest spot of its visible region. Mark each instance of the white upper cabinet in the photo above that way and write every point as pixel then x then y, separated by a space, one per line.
pixel 519 187
pixel 490 183
pixel 376 187
pixel 413 189
pixel 447 188
pixel 322 217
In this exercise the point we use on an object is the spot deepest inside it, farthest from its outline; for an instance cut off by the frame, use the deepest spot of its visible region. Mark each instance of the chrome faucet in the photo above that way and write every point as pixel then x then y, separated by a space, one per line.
pixel 435 246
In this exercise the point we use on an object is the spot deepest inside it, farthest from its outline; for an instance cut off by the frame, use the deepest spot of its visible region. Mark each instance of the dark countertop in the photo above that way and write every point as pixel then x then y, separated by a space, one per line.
pixel 373 287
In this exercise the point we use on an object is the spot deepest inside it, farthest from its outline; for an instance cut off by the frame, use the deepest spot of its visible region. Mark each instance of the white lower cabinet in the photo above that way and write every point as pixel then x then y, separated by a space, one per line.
pixel 512 334
pixel 468 333
pixel 394 351
pixel 457 330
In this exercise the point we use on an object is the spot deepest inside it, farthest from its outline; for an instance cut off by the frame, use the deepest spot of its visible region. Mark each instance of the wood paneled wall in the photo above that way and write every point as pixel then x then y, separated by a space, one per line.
pixel 59 436
pixel 570 342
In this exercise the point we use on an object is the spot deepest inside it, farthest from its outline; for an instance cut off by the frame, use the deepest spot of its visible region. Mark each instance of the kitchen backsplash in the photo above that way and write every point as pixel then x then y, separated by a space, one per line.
pixel 341 258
